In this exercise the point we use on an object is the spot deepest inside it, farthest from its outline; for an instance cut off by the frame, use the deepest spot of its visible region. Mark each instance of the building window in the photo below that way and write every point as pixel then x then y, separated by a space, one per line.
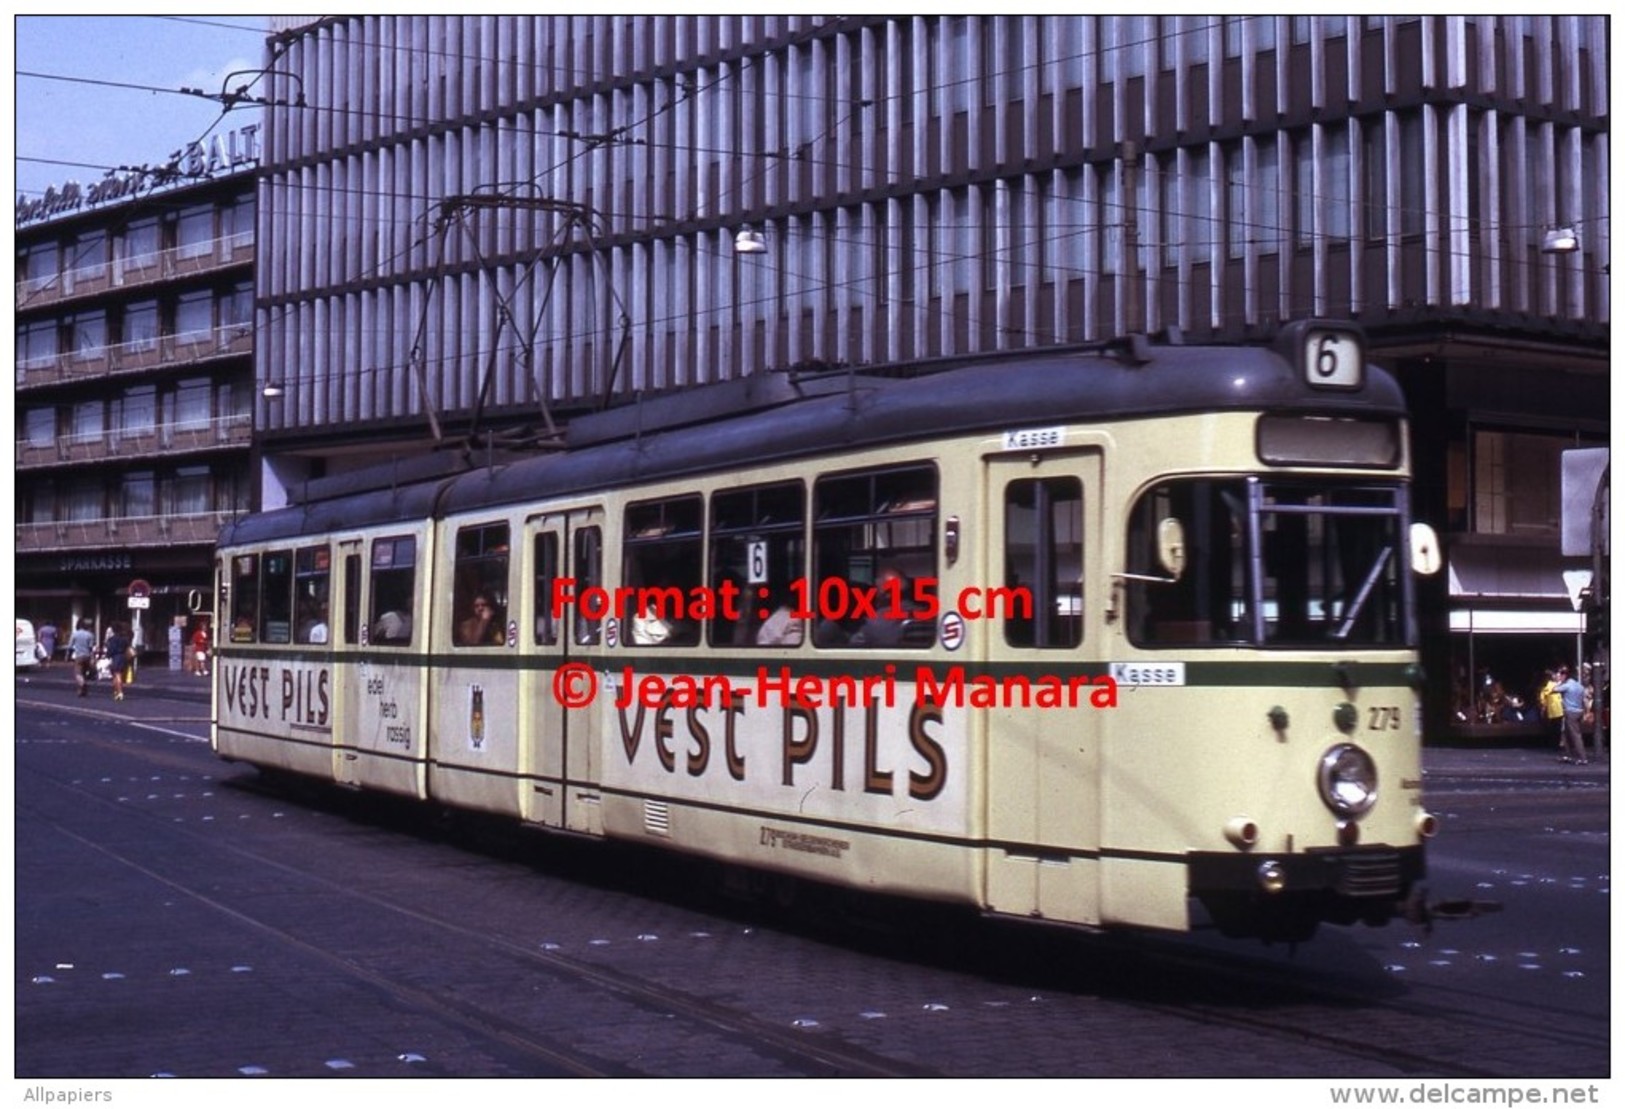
pixel 1413 199
pixel 139 328
pixel 89 335
pixel 40 427
pixel 89 419
pixel 194 232
pixel 1263 31
pixel 138 410
pixel 38 343
pixel 237 307
pixel 194 314
pixel 40 263
pixel 237 219
pixel 189 491
pixel 140 243
pixel 1323 183
pixel 193 404
pixel 140 495
pixel 88 252
pixel 83 500
pixel 1517 482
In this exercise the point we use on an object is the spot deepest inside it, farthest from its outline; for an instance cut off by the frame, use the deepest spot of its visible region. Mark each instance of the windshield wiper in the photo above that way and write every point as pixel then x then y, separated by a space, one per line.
pixel 1364 594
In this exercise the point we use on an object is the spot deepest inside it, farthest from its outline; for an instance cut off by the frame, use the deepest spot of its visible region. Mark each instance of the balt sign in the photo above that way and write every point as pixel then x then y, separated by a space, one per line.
pixel 194 162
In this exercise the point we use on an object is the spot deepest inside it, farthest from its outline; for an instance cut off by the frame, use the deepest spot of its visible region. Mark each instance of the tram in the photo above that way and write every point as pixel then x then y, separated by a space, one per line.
pixel 1122 636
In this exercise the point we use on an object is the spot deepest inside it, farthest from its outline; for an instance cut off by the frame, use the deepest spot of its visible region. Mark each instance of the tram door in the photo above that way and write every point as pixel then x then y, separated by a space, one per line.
pixel 343 632
pixel 561 757
pixel 1043 762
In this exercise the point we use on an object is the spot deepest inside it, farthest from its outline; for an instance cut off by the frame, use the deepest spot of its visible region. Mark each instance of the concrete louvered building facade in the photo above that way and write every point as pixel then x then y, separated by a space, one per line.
pixel 487 223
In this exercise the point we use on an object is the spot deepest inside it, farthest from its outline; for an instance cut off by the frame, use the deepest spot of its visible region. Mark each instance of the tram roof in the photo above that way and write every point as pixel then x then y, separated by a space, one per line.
pixel 1023 389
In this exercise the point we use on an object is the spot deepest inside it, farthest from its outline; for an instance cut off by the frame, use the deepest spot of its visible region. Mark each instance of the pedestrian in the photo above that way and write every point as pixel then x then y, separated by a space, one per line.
pixel 82 652
pixel 1551 709
pixel 120 656
pixel 47 643
pixel 1574 705
pixel 200 648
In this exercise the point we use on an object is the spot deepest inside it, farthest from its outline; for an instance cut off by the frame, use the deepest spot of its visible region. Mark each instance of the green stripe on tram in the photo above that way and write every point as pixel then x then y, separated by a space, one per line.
pixel 1239 673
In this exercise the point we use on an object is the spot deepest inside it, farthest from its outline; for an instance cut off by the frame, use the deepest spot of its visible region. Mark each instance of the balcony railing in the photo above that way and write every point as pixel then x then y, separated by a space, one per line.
pixel 141 355
pixel 168 439
pixel 121 531
pixel 131 273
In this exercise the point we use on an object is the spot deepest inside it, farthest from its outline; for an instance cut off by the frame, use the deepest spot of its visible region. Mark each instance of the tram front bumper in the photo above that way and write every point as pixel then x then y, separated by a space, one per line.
pixel 1259 893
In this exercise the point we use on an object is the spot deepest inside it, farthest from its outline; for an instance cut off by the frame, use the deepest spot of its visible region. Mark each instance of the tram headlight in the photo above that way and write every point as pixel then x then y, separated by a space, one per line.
pixel 1348 780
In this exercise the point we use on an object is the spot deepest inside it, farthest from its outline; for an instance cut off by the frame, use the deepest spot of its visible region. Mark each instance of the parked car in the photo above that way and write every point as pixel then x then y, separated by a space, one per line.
pixel 27 646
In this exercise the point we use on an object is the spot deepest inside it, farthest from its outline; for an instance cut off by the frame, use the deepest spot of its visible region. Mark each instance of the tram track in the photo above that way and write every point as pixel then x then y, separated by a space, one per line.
pixel 788 1052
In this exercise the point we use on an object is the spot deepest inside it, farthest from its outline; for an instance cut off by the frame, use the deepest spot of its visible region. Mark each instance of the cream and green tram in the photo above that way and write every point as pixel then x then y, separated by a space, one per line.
pixel 1092 636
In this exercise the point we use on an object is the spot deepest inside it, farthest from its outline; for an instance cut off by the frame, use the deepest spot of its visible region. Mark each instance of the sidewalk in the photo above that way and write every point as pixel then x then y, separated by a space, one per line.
pixel 157 677
pixel 1501 761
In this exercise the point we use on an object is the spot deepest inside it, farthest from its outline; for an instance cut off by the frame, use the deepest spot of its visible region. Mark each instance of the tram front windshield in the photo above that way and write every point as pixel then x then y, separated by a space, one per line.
pixel 1270 564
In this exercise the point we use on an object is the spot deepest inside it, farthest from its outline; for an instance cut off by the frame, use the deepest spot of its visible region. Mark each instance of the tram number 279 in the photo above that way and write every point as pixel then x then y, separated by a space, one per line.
pixel 1383 718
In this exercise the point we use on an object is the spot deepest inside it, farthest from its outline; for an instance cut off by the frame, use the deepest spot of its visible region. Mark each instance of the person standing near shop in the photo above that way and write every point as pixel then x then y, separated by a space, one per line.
pixel 82 651
pixel 1574 706
pixel 47 642
pixel 1551 709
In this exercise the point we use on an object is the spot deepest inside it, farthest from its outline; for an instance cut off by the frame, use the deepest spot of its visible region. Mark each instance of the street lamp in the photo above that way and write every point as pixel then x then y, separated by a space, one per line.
pixel 750 241
pixel 1560 240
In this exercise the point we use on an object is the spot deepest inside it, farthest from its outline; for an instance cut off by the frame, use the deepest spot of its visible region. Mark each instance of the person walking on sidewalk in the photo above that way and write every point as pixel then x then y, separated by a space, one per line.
pixel 82 650
pixel 120 656
pixel 200 649
pixel 1574 705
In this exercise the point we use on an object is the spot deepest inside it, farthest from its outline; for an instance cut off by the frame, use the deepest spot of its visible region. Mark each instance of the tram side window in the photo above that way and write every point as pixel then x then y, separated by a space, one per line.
pixel 663 561
pixel 1043 563
pixel 352 599
pixel 875 558
pixel 245 594
pixel 1207 603
pixel 276 597
pixel 480 586
pixel 589 574
pixel 758 547
pixel 394 574
pixel 312 569
pixel 546 569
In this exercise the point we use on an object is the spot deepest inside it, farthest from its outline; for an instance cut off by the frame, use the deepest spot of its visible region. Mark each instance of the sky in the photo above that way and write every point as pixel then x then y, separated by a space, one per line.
pixel 99 126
